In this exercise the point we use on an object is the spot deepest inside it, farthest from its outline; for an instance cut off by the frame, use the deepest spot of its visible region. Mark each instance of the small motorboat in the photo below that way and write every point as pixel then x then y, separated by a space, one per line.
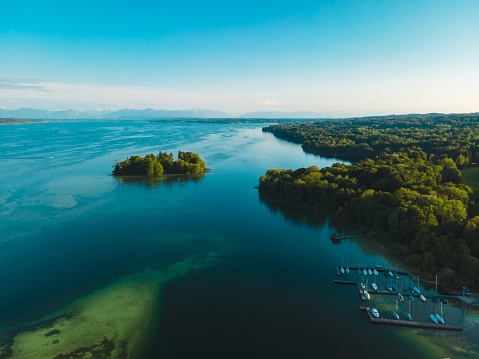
pixel 434 299
pixel 366 295
pixel 389 287
pixel 395 288
pixel 423 298
pixel 375 313
pixel 359 271
pixel 433 318
pixel 400 297
pixel 363 286
pixel 408 317
pixel 395 315
pixel 411 298
pixel 375 286
pixel 370 272
pixel 375 272
pixel 443 300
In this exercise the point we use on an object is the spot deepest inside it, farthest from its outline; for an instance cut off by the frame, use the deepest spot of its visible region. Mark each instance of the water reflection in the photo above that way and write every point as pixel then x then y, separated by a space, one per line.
pixel 300 214
pixel 169 180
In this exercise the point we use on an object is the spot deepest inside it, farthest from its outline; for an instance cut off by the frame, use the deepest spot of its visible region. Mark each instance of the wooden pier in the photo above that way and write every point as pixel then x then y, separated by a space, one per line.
pixel 406 323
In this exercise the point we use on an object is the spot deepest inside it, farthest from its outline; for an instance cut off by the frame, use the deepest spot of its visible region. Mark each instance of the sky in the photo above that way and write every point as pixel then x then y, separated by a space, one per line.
pixel 337 58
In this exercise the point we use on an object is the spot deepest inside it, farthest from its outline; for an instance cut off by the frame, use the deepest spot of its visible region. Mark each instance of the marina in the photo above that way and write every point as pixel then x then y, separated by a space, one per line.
pixel 382 311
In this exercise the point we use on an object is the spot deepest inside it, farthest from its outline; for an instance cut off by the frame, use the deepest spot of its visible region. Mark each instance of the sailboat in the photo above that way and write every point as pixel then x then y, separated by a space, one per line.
pixel 365 292
pixel 438 317
pixel 416 289
pixel 408 314
pixel 395 314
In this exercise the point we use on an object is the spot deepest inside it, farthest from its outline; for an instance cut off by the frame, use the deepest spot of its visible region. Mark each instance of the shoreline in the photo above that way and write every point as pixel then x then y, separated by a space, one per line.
pixel 357 229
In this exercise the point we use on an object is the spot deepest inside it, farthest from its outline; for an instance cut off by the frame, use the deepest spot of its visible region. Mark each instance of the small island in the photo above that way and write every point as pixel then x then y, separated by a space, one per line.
pixel 187 163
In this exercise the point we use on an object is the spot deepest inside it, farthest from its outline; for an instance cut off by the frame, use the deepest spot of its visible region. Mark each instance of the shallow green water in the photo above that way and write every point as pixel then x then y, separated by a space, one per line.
pixel 67 228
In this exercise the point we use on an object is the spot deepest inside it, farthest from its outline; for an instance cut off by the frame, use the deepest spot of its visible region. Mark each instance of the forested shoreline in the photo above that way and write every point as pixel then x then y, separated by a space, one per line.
pixel 404 186
pixel 163 163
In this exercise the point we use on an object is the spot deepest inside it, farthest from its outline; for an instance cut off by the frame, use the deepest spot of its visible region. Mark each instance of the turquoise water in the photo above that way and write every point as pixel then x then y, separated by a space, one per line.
pixel 67 228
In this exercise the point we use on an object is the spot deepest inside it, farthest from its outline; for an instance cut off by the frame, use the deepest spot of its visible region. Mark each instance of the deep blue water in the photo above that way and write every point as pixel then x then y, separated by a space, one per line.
pixel 67 227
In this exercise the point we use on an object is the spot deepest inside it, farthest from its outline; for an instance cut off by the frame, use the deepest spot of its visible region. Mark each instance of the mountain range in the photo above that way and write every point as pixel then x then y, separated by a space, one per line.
pixel 29 113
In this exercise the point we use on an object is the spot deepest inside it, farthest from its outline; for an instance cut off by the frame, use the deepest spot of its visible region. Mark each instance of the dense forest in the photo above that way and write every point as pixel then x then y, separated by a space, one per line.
pixel 163 163
pixel 403 188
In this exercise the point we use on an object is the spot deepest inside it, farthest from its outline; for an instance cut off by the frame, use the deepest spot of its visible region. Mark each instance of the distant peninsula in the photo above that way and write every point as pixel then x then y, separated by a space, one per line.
pixel 163 163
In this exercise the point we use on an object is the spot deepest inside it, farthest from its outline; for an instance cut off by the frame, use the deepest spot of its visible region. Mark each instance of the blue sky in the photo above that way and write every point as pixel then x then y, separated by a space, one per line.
pixel 339 58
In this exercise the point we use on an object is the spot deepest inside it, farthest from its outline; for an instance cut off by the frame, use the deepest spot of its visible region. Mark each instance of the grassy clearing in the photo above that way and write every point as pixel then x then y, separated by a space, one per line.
pixel 471 176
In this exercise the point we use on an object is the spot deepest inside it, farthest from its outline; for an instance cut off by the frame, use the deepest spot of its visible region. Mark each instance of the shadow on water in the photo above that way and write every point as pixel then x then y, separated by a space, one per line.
pixel 169 180
pixel 295 214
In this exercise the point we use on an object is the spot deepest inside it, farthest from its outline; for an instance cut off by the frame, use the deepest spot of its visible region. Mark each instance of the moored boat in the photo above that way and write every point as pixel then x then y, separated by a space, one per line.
pixel 433 318
pixel 408 317
pixel 434 299
pixel 395 315
pixel 375 272
pixel 363 286
pixel 423 298
pixel 375 286
pixel 439 319
pixel 389 287
pixel 400 297
pixel 443 300
pixel 375 313
pixel 335 237
pixel 395 287
pixel 411 298
pixel 366 295
pixel 370 272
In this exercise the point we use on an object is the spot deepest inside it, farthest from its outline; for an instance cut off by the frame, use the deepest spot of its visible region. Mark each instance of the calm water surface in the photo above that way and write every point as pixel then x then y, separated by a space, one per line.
pixel 67 228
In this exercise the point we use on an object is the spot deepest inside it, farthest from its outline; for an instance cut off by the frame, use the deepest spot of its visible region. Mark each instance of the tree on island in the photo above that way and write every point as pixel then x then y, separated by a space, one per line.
pixel 163 163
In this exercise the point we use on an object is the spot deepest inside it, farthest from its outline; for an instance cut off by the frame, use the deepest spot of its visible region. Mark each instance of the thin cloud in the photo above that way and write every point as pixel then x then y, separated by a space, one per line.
pixel 78 95
pixel 16 84
pixel 271 102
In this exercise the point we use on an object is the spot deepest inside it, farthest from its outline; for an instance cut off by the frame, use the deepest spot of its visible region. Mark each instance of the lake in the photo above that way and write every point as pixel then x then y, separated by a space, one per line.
pixel 179 267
